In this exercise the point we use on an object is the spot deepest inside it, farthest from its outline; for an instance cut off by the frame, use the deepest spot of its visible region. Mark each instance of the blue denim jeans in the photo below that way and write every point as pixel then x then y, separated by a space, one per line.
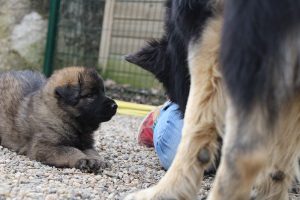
pixel 167 133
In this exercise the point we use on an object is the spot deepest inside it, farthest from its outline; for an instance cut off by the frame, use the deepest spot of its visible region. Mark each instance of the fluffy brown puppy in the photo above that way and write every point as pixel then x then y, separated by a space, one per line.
pixel 52 121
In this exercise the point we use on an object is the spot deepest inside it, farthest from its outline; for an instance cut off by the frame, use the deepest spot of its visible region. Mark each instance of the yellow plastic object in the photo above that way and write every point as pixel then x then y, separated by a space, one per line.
pixel 135 109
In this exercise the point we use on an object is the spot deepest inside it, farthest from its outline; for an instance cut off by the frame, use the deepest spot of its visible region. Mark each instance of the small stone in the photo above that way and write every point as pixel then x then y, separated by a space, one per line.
pixel 51 197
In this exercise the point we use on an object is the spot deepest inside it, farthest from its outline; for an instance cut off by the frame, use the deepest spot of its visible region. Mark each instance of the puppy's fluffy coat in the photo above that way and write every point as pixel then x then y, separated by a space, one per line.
pixel 53 120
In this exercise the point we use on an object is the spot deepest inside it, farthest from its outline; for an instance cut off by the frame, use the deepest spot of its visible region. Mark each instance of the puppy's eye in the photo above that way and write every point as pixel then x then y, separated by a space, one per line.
pixel 88 95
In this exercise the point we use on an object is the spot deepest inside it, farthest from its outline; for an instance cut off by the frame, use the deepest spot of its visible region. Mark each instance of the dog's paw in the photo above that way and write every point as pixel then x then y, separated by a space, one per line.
pixel 91 165
pixel 151 194
pixel 141 195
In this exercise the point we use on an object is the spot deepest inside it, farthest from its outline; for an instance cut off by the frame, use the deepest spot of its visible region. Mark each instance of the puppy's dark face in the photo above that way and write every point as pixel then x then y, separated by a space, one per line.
pixel 86 100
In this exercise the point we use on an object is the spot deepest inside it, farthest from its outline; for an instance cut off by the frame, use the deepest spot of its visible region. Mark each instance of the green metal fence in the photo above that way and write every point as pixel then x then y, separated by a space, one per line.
pixel 51 37
pixel 99 33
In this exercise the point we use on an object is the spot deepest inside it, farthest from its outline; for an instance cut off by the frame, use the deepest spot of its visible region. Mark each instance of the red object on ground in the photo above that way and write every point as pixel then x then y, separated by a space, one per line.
pixel 145 133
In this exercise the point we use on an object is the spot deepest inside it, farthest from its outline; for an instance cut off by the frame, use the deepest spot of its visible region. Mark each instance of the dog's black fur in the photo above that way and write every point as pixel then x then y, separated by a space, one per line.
pixel 261 67
pixel 167 58
pixel 252 50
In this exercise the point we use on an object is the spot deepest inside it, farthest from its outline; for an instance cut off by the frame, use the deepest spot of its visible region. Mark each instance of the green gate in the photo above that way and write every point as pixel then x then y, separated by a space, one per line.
pixel 99 33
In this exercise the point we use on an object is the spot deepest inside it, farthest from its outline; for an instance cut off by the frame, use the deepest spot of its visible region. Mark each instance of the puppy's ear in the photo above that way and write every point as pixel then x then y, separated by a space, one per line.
pixel 91 71
pixel 151 57
pixel 68 94
pixel 89 74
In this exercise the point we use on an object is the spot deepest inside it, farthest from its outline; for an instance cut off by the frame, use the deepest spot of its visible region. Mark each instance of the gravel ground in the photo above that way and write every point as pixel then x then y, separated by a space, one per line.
pixel 133 167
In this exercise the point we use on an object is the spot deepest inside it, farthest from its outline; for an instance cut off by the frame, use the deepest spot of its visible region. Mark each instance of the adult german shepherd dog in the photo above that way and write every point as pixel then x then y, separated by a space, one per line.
pixel 244 63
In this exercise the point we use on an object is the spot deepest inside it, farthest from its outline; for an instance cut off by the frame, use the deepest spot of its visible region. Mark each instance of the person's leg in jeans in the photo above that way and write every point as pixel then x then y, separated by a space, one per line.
pixel 162 128
pixel 167 133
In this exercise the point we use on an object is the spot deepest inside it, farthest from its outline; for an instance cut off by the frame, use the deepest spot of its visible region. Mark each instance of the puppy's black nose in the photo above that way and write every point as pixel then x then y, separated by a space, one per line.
pixel 114 106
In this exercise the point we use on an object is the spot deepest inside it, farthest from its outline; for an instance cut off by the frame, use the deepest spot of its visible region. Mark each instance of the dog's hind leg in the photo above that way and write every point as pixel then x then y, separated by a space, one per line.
pixel 251 146
pixel 244 154
pixel 260 65
pixel 202 122
pixel 274 183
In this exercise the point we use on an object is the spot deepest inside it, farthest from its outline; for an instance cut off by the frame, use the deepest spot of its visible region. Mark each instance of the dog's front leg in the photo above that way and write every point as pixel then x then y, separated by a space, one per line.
pixel 66 156
pixel 204 112
pixel 195 153
pixel 93 154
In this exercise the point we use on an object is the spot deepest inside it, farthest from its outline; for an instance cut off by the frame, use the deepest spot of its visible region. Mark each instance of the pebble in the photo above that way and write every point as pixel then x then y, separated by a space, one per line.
pixel 51 197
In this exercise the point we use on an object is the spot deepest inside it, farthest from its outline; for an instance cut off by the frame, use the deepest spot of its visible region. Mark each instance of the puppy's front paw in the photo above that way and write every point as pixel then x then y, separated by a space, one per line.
pixel 91 165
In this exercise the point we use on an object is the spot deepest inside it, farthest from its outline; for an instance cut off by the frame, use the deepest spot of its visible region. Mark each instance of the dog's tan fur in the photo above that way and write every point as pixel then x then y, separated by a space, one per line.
pixel 270 153
pixel 200 129
pixel 205 118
